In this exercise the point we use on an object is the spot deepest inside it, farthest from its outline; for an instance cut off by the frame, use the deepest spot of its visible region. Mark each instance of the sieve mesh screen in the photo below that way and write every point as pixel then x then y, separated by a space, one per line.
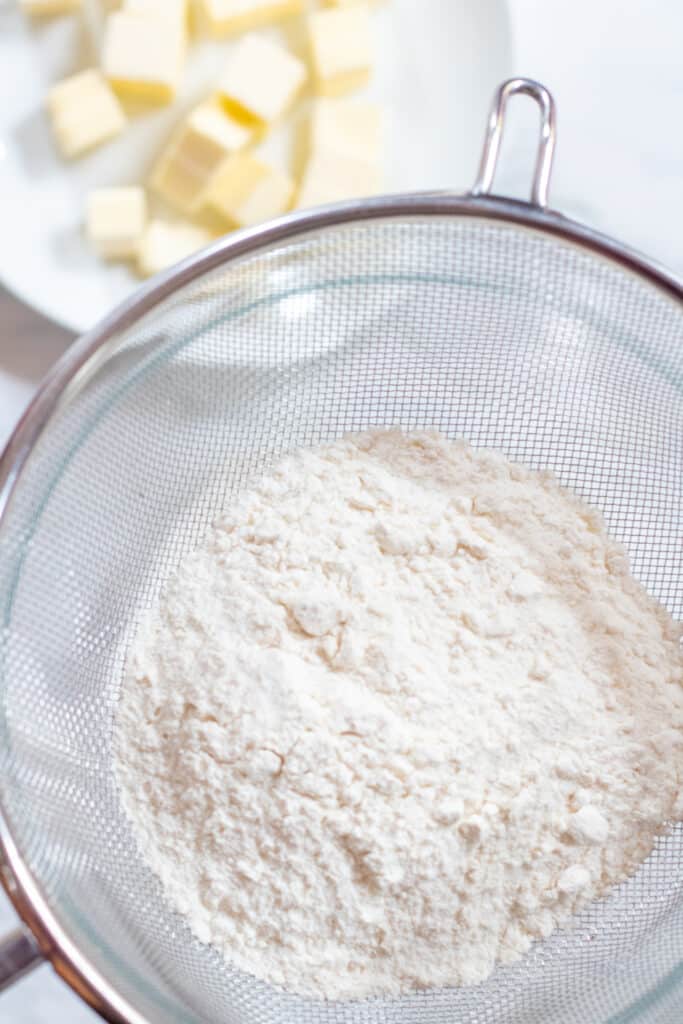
pixel 512 339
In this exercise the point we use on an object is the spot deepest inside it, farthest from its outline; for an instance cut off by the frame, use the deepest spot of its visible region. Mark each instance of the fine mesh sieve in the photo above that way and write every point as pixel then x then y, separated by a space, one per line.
pixel 486 319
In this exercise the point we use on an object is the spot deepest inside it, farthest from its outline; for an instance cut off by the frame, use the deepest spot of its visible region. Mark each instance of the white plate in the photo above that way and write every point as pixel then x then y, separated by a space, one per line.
pixel 438 63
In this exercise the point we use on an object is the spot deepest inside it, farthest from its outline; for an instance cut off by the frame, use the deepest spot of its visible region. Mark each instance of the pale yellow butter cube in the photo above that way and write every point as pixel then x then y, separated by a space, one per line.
pixel 352 129
pixel 84 112
pixel 48 8
pixel 271 196
pixel 225 17
pixel 261 80
pixel 194 155
pixel 341 49
pixel 143 56
pixel 330 177
pixel 115 220
pixel 175 11
pixel 167 242
pixel 248 191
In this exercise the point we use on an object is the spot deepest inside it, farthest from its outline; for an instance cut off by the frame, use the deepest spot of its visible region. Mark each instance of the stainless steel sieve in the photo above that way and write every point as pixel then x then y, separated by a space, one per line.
pixel 486 318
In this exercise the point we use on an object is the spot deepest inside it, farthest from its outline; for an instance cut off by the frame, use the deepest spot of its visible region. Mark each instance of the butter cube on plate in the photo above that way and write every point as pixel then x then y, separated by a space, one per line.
pixel 270 197
pixel 84 112
pixel 167 242
pixel 143 55
pixel 115 220
pixel 248 191
pixel 341 49
pixel 195 153
pixel 228 16
pixel 331 177
pixel 261 80
pixel 47 8
pixel 350 128
pixel 175 11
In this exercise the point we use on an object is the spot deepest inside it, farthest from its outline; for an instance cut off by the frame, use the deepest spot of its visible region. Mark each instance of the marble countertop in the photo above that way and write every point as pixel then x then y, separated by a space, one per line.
pixel 616 72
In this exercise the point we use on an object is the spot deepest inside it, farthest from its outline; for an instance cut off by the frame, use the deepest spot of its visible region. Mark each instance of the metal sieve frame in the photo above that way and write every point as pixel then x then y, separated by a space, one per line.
pixel 41 937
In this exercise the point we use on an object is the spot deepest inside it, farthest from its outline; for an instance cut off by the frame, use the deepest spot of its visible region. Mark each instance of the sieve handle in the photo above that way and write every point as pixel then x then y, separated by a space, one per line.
pixel 19 953
pixel 494 136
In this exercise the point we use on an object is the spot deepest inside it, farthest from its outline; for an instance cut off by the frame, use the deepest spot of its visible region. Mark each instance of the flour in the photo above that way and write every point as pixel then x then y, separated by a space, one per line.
pixel 401 715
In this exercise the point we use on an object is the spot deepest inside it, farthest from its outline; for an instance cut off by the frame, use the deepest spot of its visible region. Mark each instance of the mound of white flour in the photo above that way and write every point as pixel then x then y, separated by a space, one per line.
pixel 401 715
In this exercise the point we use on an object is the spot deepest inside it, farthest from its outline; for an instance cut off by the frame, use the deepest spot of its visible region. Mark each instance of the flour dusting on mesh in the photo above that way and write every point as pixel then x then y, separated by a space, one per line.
pixel 402 714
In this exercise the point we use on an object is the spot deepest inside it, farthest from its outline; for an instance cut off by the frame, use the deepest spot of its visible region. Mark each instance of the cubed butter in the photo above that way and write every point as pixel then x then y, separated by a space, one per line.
pixel 330 177
pixel 143 55
pixel 261 80
pixel 195 153
pixel 247 191
pixel 175 11
pixel 167 242
pixel 115 221
pixel 225 17
pixel 352 129
pixel 341 49
pixel 84 112
pixel 47 8
pixel 270 197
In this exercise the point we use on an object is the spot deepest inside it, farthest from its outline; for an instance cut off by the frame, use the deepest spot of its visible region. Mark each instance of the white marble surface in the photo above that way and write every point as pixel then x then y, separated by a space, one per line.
pixel 616 71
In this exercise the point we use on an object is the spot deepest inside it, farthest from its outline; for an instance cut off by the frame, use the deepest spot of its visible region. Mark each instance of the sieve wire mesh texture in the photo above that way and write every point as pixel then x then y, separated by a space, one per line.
pixel 511 338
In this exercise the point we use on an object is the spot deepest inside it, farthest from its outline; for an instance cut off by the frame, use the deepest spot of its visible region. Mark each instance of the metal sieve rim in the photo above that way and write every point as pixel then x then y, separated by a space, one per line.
pixel 44 936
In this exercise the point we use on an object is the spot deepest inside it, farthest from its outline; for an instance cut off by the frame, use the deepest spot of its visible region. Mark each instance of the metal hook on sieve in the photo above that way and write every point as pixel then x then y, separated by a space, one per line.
pixel 494 137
